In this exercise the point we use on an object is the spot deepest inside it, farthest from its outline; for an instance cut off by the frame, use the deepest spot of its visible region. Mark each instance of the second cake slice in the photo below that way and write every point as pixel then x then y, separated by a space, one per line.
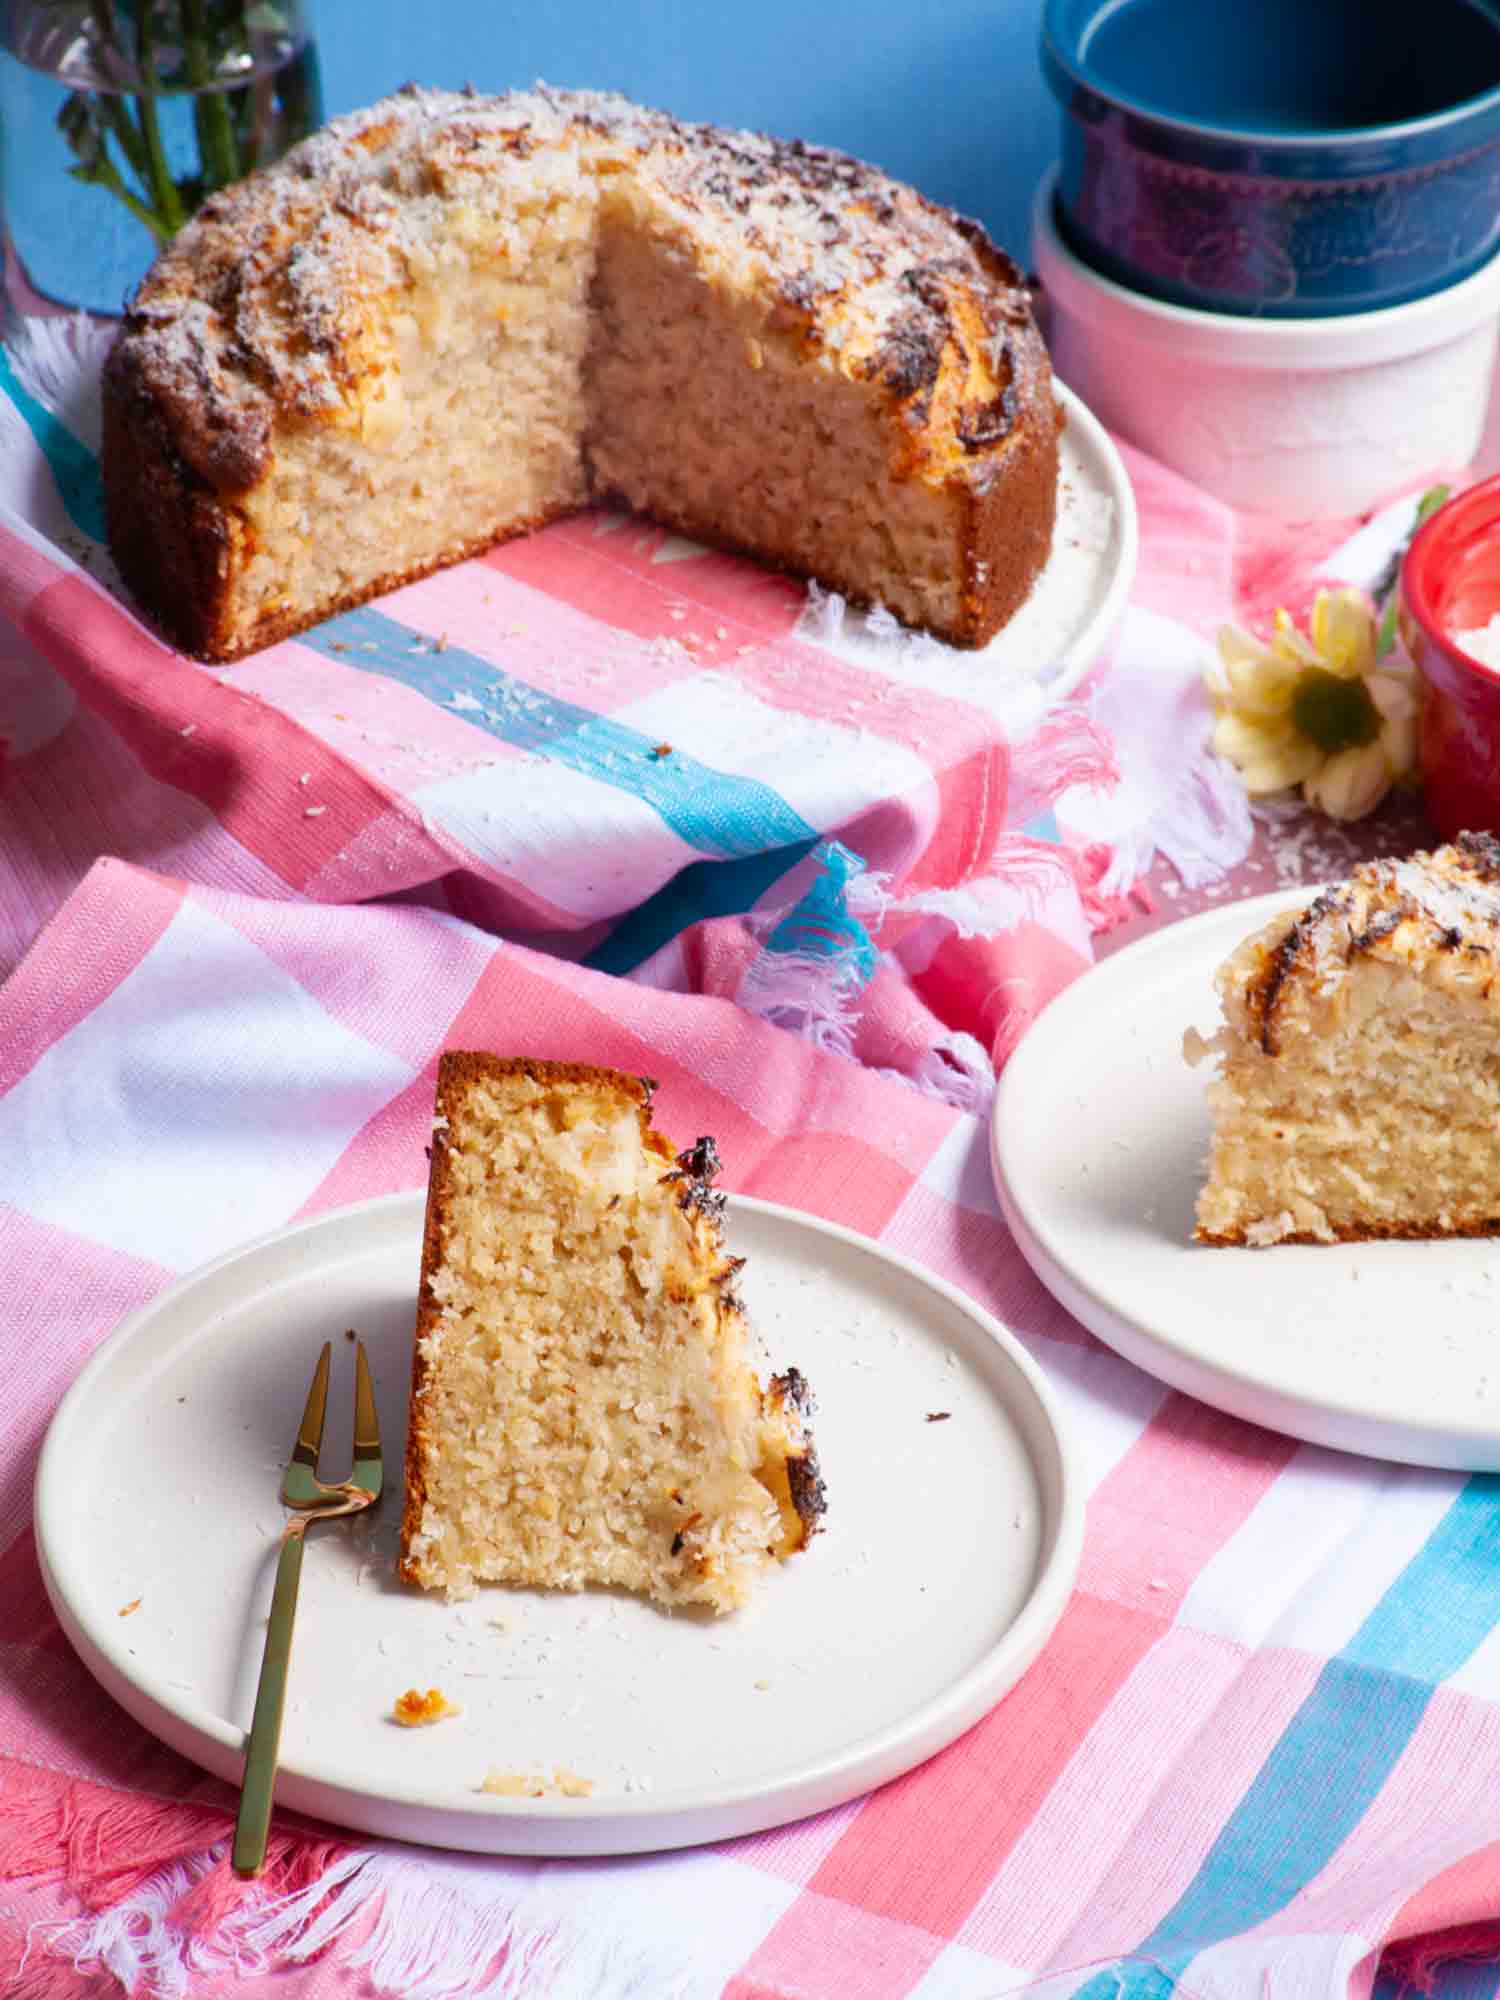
pixel 1358 1092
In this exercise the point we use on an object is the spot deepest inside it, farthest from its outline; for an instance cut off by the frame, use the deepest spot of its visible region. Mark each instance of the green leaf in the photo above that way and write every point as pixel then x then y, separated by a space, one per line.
pixel 1385 637
pixel 1388 588
pixel 159 41
pixel 262 17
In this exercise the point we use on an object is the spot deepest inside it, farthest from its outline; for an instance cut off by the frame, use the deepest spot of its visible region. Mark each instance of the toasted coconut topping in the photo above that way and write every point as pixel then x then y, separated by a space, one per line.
pixel 804 1475
pixel 1439 904
pixel 264 306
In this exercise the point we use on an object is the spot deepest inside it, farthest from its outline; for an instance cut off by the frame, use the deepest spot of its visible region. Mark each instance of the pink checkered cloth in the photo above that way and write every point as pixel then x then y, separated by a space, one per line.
pixel 817 898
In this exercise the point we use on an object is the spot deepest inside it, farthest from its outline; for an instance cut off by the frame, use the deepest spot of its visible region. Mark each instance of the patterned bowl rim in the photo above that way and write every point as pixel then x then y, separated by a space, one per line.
pixel 1469 123
pixel 1311 343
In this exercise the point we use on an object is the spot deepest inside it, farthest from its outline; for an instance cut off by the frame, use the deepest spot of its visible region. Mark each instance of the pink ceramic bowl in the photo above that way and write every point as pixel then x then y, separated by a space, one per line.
pixel 1450 582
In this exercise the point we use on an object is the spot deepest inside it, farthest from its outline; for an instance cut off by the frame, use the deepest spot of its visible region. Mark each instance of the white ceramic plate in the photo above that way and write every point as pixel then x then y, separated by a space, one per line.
pixel 1100 1140
pixel 1080 596
pixel 1075 603
pixel 950 1551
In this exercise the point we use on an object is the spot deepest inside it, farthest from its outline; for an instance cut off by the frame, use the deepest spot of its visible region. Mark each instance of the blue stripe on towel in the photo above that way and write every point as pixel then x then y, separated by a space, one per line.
pixel 721 815
pixel 821 925
pixel 73 465
pixel 1338 1750
pixel 705 889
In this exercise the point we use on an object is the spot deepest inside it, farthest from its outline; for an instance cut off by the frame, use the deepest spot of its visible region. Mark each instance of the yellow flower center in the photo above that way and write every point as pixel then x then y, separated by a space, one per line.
pixel 1335 713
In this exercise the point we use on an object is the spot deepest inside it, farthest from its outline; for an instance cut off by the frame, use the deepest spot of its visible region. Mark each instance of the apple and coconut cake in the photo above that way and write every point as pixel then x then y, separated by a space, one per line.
pixel 449 319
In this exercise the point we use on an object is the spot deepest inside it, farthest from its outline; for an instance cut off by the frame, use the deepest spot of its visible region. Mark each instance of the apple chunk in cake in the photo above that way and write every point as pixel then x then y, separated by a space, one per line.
pixel 1358 1085
pixel 584 1408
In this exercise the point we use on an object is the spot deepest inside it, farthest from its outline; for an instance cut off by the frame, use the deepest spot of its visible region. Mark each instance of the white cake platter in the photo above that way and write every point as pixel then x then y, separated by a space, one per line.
pixel 954 1529
pixel 1099 1144
pixel 1067 621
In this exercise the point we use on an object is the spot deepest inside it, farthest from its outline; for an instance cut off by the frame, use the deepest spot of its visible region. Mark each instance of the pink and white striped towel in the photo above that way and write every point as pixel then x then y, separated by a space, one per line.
pixel 1257 1747
pixel 255 901
pixel 590 739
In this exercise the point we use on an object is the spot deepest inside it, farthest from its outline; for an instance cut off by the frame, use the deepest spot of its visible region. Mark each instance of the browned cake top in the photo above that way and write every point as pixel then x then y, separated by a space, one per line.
pixel 269 306
pixel 1435 913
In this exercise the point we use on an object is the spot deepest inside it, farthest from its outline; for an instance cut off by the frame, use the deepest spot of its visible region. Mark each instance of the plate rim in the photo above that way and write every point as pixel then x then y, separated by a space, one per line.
pixel 1083 651
pixel 618 1823
pixel 1350 1424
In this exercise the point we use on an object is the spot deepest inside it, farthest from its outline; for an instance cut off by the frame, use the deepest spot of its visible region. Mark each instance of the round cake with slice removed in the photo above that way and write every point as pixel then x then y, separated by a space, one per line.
pixel 449 319
pixel 584 1404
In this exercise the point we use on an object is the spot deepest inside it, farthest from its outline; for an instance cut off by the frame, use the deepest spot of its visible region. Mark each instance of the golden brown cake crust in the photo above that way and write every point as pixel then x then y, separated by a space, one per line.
pixel 271 312
pixel 1339 1232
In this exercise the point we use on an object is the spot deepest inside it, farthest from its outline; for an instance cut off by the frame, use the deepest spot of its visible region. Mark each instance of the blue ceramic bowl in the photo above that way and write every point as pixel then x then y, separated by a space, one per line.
pixel 1289 158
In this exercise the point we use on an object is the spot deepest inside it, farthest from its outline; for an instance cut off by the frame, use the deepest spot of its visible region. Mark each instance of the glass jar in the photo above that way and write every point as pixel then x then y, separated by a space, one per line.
pixel 118 117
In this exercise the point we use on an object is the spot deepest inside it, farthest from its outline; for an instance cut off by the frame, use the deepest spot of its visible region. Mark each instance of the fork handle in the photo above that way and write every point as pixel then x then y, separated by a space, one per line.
pixel 253 1825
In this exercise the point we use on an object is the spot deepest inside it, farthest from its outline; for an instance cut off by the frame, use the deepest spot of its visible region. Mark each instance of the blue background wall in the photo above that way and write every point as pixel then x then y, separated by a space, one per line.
pixel 944 93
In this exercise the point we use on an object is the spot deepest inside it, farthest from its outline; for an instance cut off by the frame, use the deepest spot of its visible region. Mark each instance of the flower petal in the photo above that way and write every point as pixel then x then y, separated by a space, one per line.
pixel 1291 645
pixel 1280 766
pixel 1263 686
pixel 1343 630
pixel 1236 644
pixel 1243 739
pixel 1398 740
pixel 1350 784
pixel 1394 697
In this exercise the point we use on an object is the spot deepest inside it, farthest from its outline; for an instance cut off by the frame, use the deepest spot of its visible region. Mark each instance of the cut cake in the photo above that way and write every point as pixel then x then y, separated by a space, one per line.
pixel 448 319
pixel 1358 1090
pixel 584 1409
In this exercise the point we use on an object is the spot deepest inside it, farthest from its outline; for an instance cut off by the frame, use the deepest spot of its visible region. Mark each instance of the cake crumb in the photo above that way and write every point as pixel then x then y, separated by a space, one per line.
pixel 415 1710
pixel 126 1609
pixel 563 1784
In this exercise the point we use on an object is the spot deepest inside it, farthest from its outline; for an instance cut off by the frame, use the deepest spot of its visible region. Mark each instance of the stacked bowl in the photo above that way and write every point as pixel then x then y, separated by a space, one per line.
pixel 1270 249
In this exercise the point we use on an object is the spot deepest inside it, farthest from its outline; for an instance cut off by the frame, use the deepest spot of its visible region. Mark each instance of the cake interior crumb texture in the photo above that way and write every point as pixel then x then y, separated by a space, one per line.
pixel 585 1409
pixel 1358 1084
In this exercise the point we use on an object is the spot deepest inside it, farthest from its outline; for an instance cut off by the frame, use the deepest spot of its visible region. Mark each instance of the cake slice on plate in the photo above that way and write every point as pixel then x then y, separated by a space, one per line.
pixel 1358 1090
pixel 584 1406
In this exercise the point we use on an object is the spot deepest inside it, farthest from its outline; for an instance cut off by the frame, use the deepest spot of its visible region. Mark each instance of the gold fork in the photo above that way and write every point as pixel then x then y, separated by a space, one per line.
pixel 311 1500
